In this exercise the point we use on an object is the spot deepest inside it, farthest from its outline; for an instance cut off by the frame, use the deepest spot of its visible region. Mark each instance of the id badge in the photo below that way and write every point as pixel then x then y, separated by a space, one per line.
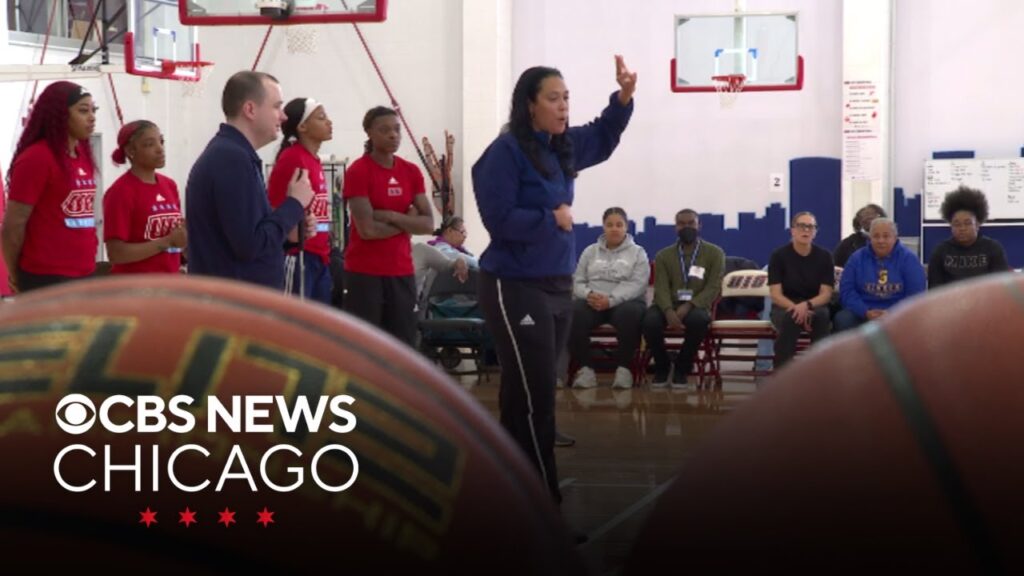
pixel 697 272
pixel 684 295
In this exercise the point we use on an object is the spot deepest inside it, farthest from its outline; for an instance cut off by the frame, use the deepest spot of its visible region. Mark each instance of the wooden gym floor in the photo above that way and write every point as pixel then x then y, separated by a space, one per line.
pixel 629 446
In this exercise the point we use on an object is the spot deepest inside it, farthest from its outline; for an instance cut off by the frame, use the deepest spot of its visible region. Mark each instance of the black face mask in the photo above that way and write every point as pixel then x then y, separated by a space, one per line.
pixel 688 235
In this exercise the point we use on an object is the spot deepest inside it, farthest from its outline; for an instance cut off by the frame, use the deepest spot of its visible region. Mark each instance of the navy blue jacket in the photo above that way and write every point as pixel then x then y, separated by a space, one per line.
pixel 516 202
pixel 232 232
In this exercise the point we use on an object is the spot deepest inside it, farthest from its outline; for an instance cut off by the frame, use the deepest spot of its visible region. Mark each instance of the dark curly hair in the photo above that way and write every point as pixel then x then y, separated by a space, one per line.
pixel 521 126
pixel 878 210
pixel 967 199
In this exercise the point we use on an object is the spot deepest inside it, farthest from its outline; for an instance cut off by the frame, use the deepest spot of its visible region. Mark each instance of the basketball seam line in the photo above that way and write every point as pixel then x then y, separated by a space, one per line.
pixel 965 512
pixel 526 388
pixel 1014 289
pixel 163 294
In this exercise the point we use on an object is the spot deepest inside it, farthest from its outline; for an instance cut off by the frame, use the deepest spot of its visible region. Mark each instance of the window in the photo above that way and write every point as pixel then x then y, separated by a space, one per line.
pixel 27 20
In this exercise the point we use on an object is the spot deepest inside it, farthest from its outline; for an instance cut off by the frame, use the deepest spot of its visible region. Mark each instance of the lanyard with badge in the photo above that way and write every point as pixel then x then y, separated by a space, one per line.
pixel 686 295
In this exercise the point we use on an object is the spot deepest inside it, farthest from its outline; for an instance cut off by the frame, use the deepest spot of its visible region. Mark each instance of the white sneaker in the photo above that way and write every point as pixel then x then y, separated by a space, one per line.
pixel 623 378
pixel 585 378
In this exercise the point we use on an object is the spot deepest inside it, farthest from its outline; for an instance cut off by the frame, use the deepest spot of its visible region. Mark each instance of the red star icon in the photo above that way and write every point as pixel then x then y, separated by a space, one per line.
pixel 188 517
pixel 265 517
pixel 148 517
pixel 226 517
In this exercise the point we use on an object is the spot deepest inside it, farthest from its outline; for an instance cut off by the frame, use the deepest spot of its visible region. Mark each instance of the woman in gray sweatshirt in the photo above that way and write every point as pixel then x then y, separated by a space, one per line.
pixel 610 287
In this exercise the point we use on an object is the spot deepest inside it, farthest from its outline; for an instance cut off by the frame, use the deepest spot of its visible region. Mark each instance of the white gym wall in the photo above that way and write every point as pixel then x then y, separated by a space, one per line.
pixel 452 63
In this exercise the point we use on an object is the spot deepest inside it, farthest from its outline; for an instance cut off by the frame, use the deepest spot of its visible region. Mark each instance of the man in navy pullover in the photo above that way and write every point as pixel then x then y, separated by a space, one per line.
pixel 233 233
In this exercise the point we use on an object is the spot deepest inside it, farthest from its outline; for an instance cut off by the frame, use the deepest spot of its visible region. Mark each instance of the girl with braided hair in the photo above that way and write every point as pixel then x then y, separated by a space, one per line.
pixel 49 232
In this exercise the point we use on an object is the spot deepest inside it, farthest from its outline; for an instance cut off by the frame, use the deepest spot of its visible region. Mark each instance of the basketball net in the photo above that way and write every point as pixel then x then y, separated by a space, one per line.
pixel 728 87
pixel 301 39
pixel 191 88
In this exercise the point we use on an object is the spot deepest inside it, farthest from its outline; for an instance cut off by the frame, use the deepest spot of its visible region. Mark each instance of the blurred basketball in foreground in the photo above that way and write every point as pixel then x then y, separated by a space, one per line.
pixel 892 449
pixel 439 488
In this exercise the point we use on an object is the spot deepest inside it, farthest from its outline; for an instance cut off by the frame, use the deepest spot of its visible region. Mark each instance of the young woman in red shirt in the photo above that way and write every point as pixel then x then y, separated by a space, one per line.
pixel 306 128
pixel 388 203
pixel 49 232
pixel 143 228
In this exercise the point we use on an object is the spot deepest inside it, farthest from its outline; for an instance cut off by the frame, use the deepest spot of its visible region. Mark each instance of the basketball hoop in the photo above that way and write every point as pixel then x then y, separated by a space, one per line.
pixel 192 85
pixel 729 87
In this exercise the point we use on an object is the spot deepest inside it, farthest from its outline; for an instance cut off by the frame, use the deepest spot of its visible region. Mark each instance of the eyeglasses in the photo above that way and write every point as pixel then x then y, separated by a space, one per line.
pixel 807 227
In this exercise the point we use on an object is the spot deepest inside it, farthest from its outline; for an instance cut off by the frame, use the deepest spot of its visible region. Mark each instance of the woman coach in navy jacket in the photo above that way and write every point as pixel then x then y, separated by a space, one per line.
pixel 524 189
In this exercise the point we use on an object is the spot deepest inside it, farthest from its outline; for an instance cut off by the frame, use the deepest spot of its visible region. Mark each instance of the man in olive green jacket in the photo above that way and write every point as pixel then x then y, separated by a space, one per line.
pixel 687 280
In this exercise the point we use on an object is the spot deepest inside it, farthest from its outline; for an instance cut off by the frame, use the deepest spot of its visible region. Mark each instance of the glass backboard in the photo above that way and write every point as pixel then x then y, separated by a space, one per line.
pixel 249 12
pixel 157 36
pixel 761 46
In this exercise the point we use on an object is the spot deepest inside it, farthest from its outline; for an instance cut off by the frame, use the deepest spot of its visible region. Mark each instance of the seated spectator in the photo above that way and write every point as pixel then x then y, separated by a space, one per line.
pixel 687 280
pixel 967 253
pixel 861 224
pixel 800 278
pixel 610 285
pixel 428 262
pixel 450 239
pixel 878 277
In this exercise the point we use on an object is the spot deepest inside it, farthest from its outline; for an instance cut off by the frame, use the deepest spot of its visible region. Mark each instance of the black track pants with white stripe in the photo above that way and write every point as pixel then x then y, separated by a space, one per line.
pixel 529 321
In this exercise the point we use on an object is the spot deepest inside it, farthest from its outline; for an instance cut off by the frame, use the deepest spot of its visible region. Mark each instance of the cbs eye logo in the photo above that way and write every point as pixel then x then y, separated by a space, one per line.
pixel 75 414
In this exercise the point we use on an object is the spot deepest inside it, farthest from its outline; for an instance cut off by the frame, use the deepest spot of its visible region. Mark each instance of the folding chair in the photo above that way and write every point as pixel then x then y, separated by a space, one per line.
pixel 452 322
pixel 741 333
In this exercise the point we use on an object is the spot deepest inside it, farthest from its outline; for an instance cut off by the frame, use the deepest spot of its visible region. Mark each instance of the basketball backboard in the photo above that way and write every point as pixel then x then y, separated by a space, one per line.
pixel 249 12
pixel 155 36
pixel 761 46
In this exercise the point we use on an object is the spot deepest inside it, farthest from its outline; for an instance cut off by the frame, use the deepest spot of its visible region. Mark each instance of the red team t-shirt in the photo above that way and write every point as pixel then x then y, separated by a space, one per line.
pixel 293 157
pixel 388 189
pixel 136 211
pixel 60 237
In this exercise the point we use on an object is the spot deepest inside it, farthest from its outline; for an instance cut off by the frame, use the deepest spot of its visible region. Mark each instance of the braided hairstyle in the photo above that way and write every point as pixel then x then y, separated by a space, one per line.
pixel 49 121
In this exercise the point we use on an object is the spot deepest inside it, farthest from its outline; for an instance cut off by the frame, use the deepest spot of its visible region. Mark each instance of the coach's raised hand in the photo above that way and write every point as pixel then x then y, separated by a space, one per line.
pixel 626 80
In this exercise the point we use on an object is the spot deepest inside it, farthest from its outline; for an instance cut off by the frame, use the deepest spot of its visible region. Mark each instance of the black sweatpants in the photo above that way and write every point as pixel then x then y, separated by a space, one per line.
pixel 789 332
pixel 530 322
pixel 387 302
pixel 697 322
pixel 626 318
pixel 28 281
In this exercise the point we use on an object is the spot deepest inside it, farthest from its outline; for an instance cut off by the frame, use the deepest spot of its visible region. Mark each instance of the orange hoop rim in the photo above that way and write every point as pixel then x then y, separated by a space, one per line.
pixel 730 82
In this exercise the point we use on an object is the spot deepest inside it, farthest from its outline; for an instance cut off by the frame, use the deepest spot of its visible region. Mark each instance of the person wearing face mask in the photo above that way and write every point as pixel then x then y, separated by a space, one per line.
pixel 878 277
pixel 232 230
pixel 967 253
pixel 687 280
pixel 49 233
pixel 861 224
pixel 143 229
pixel 610 284
pixel 524 187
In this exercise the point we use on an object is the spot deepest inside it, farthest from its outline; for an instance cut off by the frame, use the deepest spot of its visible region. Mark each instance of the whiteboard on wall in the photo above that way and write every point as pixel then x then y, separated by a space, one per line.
pixel 1002 181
